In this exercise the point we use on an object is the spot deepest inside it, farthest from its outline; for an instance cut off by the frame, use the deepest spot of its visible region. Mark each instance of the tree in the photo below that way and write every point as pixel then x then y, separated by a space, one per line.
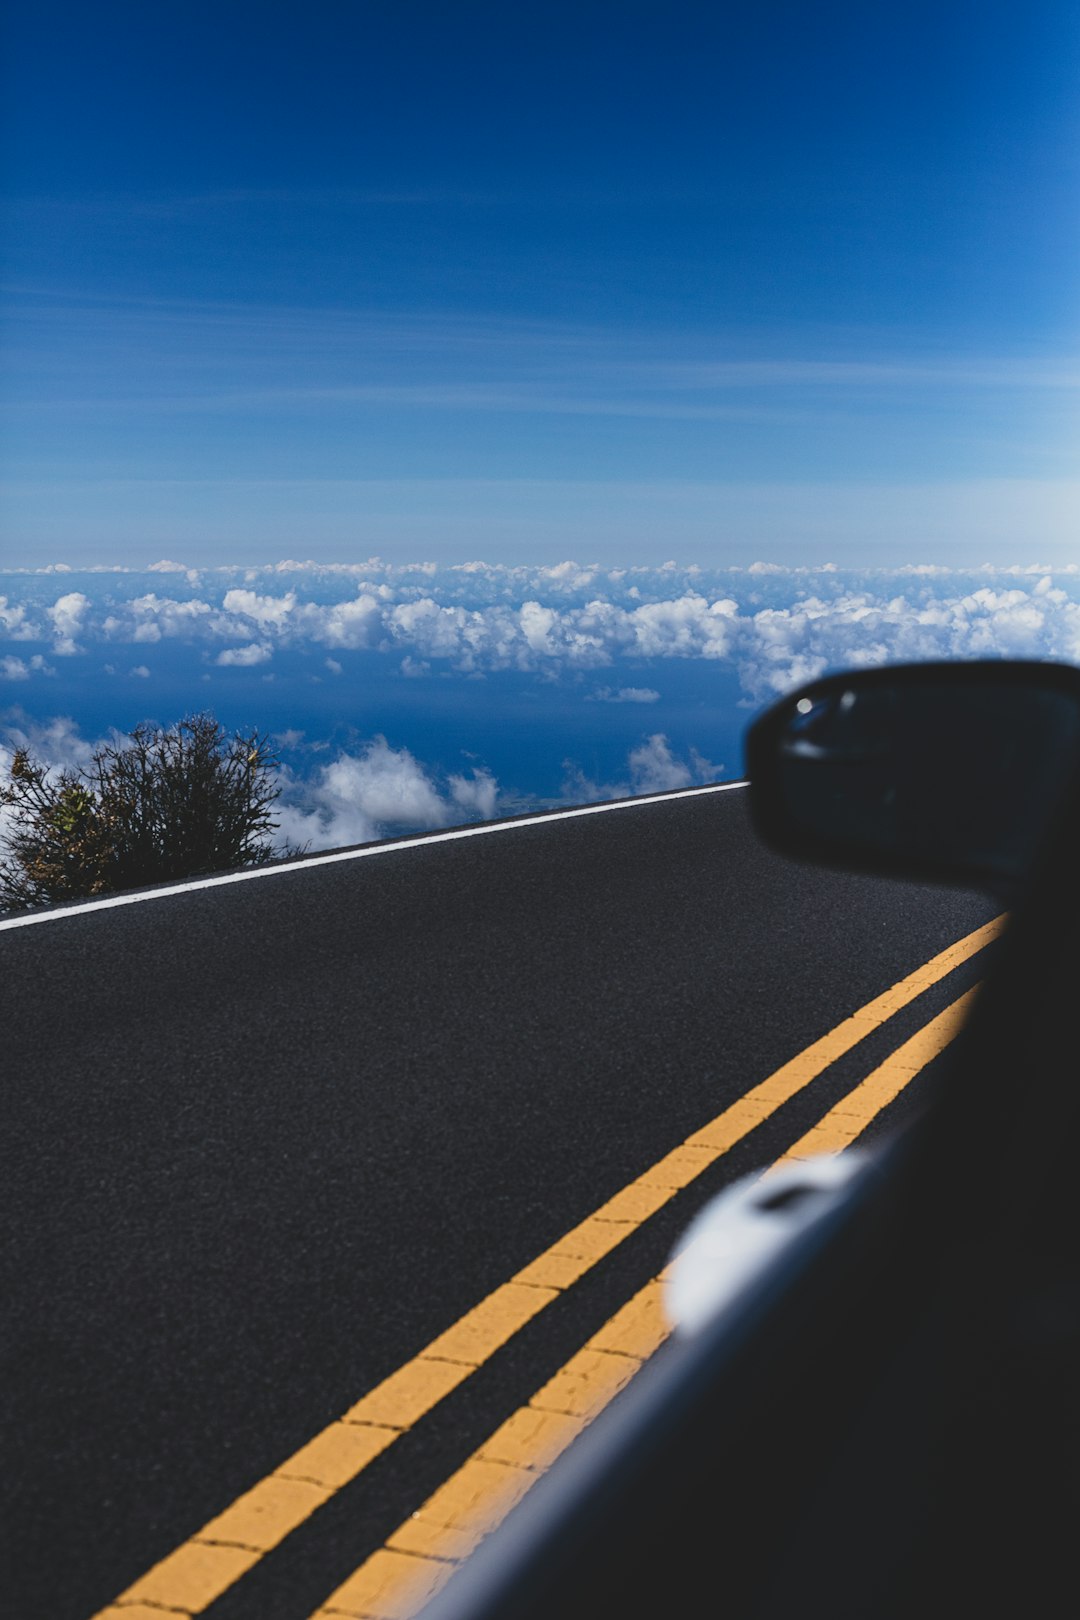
pixel 168 803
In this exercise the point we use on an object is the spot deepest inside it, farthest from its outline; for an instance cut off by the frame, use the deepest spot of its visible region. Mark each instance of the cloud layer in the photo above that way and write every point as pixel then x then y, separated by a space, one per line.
pixel 771 627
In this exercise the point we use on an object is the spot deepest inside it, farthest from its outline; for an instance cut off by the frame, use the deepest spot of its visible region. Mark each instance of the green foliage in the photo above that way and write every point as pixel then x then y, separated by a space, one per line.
pixel 166 804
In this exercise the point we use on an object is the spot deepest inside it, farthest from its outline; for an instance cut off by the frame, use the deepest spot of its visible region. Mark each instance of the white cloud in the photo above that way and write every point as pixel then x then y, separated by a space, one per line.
pixel 770 627
pixel 624 694
pixel 654 768
pixel 359 797
pixel 388 785
pixel 245 657
pixel 537 624
pixel 687 627
pixel 347 624
pixel 56 743
pixel 20 669
pixel 476 794
pixel 140 670
pixel 781 647
pixel 150 617
pixel 15 622
pixel 269 612
pixel 66 614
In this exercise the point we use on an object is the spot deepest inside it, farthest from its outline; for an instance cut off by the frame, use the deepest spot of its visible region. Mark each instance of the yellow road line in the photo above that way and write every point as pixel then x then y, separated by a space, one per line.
pixel 187 1580
pixel 420 1556
pixel 848 1119
pixel 423 1553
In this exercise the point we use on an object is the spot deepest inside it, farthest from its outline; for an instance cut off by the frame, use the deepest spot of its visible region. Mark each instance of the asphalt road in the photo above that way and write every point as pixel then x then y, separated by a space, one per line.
pixel 264 1141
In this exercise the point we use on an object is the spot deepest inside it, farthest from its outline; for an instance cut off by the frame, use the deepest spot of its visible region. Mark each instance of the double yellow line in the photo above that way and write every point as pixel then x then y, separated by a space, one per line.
pixel 421 1554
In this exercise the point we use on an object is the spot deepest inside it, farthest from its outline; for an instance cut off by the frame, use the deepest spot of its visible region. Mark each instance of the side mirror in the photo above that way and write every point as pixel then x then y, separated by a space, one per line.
pixel 949 772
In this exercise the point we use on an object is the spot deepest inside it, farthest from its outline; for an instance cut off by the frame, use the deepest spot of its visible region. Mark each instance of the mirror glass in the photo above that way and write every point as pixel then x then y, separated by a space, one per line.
pixel 942 772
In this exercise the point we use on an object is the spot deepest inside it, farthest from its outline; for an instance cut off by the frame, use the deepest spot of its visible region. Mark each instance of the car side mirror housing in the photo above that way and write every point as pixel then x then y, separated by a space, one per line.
pixel 947 772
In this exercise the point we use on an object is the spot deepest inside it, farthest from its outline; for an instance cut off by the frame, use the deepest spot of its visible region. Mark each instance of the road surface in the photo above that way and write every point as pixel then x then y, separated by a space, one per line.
pixel 266 1141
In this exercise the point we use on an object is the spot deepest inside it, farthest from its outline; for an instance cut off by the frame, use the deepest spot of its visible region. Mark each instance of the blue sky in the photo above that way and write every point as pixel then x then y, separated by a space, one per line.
pixel 499 404
pixel 616 282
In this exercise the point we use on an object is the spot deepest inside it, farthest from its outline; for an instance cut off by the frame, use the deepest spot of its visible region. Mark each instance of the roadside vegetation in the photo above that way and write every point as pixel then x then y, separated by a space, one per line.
pixel 165 804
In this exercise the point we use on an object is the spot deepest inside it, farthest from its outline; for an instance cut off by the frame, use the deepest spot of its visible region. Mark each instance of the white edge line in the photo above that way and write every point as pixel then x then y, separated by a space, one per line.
pixel 387 848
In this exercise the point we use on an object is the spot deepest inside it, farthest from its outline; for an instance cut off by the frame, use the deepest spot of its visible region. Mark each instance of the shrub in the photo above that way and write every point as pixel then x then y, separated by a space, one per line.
pixel 168 803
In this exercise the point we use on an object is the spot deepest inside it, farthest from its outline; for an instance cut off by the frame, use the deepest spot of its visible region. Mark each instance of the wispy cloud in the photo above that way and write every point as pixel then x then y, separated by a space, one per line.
pixel 158 355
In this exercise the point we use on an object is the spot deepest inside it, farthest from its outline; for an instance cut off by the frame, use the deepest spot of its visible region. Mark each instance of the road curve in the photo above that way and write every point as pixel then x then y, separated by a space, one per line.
pixel 264 1140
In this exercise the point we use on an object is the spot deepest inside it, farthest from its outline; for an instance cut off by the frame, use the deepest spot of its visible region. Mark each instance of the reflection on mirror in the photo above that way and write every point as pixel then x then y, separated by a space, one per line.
pixel 951 771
